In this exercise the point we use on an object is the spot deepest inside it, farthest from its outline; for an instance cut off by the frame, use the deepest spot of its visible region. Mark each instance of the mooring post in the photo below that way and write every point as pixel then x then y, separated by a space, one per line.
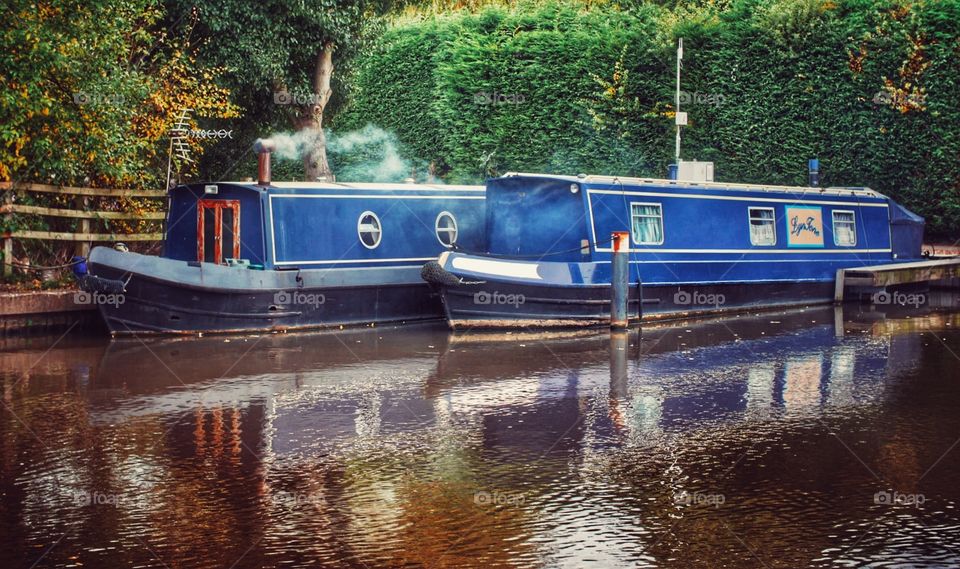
pixel 619 344
pixel 620 280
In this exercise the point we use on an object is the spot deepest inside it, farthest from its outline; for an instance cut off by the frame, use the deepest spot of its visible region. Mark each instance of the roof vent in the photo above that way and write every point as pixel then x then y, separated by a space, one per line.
pixel 694 171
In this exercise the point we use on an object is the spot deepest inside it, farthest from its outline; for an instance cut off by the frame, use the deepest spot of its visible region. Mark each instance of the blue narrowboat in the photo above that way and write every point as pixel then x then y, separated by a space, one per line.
pixel 244 256
pixel 695 247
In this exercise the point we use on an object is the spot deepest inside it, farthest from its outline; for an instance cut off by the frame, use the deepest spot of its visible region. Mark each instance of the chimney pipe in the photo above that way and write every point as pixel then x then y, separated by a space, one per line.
pixel 813 172
pixel 263 148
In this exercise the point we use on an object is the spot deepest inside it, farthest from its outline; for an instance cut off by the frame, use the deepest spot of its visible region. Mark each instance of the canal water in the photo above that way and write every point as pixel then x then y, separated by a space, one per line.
pixel 810 438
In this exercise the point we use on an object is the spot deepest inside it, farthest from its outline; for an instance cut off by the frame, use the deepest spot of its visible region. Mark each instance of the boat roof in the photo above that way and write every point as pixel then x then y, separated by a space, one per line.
pixel 731 186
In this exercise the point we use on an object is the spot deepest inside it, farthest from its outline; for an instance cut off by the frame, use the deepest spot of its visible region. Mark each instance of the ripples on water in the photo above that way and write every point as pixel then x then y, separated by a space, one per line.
pixel 775 440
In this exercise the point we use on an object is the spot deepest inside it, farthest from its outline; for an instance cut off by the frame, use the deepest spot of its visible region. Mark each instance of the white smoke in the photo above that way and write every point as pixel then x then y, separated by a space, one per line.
pixel 293 146
pixel 370 154
pixel 381 160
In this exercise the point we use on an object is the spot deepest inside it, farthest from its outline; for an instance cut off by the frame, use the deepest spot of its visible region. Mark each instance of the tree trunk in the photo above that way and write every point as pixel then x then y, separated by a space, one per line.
pixel 315 165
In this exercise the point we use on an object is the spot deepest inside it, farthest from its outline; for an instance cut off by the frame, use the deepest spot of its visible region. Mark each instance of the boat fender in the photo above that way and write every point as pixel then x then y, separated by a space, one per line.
pixel 95 284
pixel 433 273
pixel 79 266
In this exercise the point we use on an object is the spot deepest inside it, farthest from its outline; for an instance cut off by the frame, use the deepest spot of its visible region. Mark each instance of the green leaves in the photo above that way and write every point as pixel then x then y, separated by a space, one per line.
pixel 871 87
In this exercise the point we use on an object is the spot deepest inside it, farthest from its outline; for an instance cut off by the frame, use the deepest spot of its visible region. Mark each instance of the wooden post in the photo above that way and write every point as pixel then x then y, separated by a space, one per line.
pixel 7 256
pixel 7 241
pixel 839 285
pixel 620 281
pixel 82 248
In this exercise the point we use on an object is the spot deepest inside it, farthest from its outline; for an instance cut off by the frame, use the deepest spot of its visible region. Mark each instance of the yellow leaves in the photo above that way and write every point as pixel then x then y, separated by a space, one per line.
pixel 908 96
pixel 900 12
pixel 905 99
pixel 855 60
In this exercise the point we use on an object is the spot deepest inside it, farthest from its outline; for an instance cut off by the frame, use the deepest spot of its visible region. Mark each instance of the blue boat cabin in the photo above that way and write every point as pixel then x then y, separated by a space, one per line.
pixel 321 225
pixel 698 232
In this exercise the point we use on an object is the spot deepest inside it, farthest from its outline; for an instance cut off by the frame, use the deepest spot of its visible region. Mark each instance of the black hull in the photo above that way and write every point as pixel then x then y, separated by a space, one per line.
pixel 552 306
pixel 152 303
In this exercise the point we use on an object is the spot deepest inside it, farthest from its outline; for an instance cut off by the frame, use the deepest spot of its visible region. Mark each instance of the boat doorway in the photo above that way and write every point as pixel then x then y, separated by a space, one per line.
pixel 218 230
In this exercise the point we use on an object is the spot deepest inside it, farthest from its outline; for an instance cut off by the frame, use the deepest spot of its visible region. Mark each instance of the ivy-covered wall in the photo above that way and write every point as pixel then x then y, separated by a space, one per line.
pixel 870 87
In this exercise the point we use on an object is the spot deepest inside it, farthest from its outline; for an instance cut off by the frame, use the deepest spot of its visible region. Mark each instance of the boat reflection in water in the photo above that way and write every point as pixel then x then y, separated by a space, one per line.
pixel 758 439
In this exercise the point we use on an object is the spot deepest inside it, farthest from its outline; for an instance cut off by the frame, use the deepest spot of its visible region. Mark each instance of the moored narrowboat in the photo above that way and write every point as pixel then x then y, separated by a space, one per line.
pixel 244 256
pixel 696 247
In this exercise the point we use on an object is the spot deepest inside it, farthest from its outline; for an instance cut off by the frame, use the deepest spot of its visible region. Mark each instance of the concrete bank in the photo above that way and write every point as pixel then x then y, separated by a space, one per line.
pixel 43 311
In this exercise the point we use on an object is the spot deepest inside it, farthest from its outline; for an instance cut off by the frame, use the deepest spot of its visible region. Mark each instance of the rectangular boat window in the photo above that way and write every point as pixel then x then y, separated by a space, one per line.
pixel 844 228
pixel 762 228
pixel 647 223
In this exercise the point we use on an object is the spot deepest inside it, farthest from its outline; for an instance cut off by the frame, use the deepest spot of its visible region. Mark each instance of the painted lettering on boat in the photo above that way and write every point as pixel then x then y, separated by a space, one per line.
pixel 804 226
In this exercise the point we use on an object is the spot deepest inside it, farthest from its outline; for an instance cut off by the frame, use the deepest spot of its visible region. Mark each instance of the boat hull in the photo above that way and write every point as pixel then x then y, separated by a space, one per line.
pixel 554 307
pixel 164 296
pixel 475 301
pixel 504 305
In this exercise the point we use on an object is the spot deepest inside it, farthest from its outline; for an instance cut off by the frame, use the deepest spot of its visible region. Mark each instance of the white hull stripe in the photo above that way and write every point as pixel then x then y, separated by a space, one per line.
pixel 732 261
pixel 800 199
pixel 497 268
pixel 748 251
pixel 367 186
pixel 350 261
pixel 375 197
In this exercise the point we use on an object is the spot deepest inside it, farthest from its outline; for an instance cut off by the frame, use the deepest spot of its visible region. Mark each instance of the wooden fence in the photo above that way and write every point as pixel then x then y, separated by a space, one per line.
pixel 84 238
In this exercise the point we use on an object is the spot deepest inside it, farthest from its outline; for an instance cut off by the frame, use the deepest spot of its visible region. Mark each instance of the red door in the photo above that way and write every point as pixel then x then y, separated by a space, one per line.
pixel 218 230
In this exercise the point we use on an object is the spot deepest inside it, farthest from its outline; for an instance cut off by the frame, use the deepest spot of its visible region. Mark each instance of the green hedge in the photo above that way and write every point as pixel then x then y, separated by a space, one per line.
pixel 872 88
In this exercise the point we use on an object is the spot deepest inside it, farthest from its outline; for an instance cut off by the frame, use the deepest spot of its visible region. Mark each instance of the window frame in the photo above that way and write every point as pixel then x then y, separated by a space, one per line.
pixel 360 231
pixel 456 228
pixel 833 218
pixel 633 236
pixel 217 206
pixel 773 224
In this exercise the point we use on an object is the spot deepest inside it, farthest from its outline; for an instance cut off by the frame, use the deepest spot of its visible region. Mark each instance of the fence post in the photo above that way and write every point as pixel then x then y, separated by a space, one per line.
pixel 82 248
pixel 7 241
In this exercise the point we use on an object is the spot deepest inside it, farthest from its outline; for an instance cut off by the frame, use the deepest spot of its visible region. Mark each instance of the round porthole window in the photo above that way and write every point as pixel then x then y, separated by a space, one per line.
pixel 369 229
pixel 446 227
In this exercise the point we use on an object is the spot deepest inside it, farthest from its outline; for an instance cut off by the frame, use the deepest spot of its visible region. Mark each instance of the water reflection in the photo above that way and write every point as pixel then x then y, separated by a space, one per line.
pixel 757 440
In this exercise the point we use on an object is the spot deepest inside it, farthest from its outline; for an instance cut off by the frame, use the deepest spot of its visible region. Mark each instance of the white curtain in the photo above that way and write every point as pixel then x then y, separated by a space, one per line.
pixel 844 228
pixel 761 227
pixel 647 223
